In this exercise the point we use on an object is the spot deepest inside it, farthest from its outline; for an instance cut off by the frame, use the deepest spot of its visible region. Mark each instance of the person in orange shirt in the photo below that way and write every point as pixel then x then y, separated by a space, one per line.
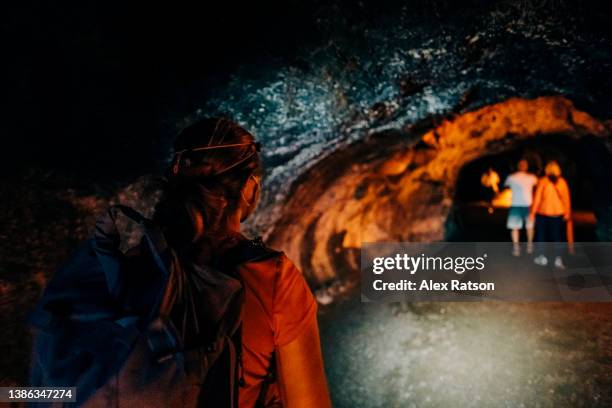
pixel 551 209
pixel 213 186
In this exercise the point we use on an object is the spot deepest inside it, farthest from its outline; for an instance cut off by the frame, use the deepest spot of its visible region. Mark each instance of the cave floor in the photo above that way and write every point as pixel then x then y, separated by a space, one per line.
pixel 468 354
pixel 442 354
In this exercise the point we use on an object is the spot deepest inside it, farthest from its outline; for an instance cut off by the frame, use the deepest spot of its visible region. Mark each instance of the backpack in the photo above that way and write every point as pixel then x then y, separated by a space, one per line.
pixel 143 327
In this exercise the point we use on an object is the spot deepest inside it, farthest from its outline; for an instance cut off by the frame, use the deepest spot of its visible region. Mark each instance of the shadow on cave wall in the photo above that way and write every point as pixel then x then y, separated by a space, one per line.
pixel 586 164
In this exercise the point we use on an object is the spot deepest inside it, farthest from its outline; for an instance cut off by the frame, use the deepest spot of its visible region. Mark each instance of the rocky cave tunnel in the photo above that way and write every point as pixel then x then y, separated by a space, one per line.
pixel 414 185
pixel 377 131
pixel 404 186
pixel 377 122
pixel 409 184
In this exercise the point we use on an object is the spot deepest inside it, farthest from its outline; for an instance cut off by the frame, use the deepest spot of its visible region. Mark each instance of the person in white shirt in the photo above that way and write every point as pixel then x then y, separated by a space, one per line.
pixel 521 183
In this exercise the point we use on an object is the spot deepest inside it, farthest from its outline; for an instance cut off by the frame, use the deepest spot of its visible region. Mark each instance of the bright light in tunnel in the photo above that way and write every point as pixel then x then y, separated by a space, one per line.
pixel 503 199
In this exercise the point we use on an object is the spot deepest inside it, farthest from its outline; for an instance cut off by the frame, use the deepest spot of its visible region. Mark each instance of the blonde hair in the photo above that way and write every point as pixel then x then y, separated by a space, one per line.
pixel 552 169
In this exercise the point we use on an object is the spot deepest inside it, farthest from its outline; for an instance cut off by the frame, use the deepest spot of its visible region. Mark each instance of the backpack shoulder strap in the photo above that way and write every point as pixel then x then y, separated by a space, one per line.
pixel 245 251
pixel 269 379
pixel 249 251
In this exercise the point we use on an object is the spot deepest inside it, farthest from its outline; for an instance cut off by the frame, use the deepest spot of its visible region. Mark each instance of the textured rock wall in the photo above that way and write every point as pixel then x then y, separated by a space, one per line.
pixel 399 187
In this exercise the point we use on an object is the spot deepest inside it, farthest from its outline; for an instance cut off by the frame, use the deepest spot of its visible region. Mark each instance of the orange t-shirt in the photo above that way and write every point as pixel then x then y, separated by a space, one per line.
pixel 278 307
pixel 552 199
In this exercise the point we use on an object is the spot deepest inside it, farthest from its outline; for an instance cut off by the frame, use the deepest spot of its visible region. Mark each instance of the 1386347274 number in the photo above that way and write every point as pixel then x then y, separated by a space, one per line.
pixel 37 394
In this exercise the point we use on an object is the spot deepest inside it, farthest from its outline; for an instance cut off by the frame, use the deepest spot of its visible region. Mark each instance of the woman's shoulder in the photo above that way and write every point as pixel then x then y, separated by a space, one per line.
pixel 273 264
pixel 544 181
pixel 274 271
pixel 249 251
pixel 278 284
pixel 293 306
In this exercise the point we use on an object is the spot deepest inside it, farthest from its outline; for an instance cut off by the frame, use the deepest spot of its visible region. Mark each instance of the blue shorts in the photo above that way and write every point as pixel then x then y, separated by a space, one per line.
pixel 518 217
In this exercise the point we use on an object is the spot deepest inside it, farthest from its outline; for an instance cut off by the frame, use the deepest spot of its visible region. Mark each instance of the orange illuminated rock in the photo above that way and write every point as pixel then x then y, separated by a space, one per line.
pixel 405 192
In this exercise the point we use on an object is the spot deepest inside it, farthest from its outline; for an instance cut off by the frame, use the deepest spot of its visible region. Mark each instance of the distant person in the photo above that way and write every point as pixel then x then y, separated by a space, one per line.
pixel 491 180
pixel 551 209
pixel 521 183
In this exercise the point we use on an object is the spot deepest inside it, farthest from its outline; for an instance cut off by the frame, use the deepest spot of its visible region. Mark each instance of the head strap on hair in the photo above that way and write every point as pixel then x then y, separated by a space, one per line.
pixel 195 149
pixel 179 153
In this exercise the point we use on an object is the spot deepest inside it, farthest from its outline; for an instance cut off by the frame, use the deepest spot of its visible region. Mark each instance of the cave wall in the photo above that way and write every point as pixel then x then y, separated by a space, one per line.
pixel 395 187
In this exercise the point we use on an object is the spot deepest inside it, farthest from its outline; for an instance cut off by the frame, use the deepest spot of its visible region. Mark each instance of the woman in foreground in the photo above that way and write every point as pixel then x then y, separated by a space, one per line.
pixel 213 186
